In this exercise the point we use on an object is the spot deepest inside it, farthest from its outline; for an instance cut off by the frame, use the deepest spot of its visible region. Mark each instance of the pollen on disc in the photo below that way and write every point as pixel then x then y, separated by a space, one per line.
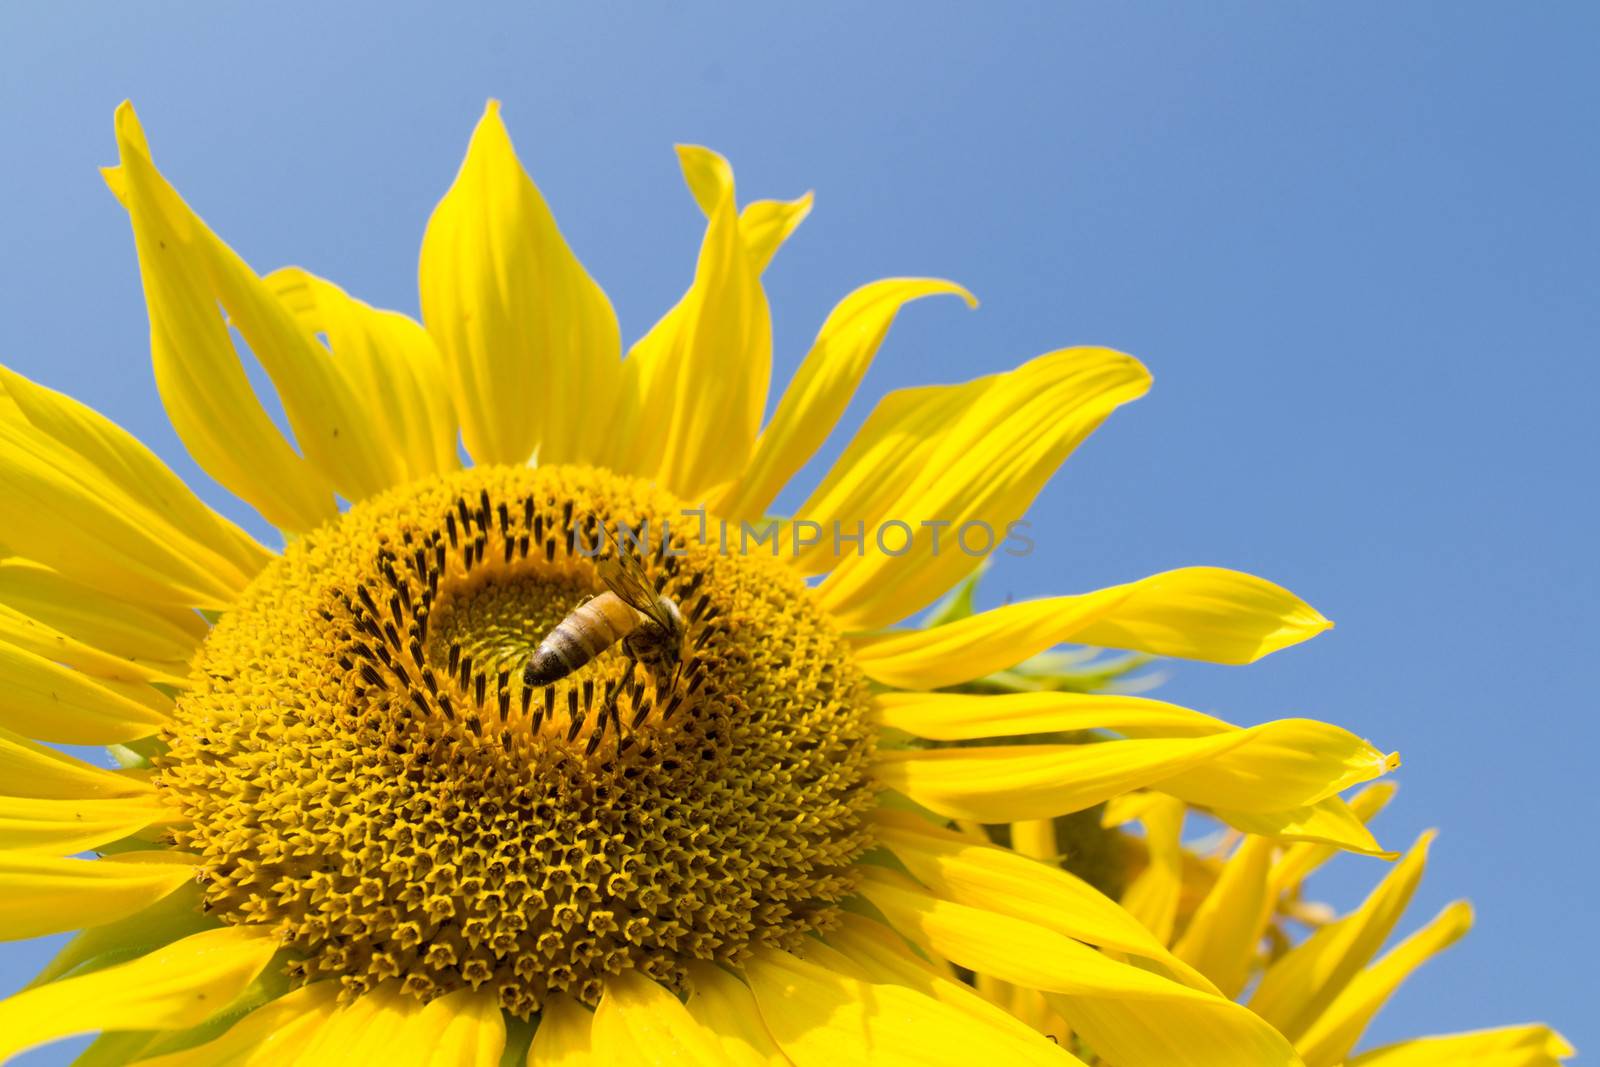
pixel 366 772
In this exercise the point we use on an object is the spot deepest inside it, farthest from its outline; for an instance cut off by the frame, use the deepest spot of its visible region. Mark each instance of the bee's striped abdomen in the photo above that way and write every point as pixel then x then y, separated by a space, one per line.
pixel 593 627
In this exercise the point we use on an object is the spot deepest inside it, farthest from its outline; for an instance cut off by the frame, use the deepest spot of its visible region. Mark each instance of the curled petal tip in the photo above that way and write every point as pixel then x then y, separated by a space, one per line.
pixel 130 132
pixel 699 155
pixel 945 285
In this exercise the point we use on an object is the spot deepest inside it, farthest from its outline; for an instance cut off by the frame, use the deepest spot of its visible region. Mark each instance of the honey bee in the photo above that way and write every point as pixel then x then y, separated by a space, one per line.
pixel 649 625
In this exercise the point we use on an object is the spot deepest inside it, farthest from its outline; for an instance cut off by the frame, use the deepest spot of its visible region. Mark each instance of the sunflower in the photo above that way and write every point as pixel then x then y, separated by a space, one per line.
pixel 348 825
pixel 1230 910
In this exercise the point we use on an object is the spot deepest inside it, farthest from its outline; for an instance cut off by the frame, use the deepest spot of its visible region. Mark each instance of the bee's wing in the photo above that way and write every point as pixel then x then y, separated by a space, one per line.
pixel 624 575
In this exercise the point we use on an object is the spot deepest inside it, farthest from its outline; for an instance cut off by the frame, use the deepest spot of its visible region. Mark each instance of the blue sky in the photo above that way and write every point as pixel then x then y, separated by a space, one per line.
pixel 1356 243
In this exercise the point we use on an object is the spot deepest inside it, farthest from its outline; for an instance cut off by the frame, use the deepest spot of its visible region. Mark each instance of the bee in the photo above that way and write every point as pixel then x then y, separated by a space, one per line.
pixel 649 625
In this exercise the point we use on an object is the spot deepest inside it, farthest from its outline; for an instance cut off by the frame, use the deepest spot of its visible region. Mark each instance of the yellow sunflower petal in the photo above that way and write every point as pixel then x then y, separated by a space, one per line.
pixel 640 1022
pixel 1283 764
pixel 763 224
pixel 1003 783
pixel 766 224
pixel 565 1034
pixel 892 447
pixel 1132 807
pixel 824 955
pixel 187 272
pixel 1004 882
pixel 529 339
pixel 1327 823
pixel 1301 985
pixel 1300 859
pixel 376 1025
pixel 173 917
pixel 272 1034
pixel 1225 932
pixel 725 1008
pixel 708 176
pixel 46 894
pixel 67 827
pixel 1267 768
pixel 461 1029
pixel 985 468
pixel 695 387
pixel 1330 1038
pixel 33 770
pixel 821 1018
pixel 177 986
pixel 1174 1035
pixel 135 470
pixel 22 631
pixel 1329 761
pixel 45 700
pixel 67 513
pixel 1036 839
pixel 822 387
pixel 1126 1014
pixel 1512 1046
pixel 158 637
pixel 882 956
pixel 1153 896
pixel 1205 613
pixel 386 1025
pixel 392 368
pixel 966 717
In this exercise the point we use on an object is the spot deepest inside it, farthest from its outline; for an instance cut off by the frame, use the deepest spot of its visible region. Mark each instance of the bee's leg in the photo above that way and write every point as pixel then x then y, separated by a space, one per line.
pixel 642 650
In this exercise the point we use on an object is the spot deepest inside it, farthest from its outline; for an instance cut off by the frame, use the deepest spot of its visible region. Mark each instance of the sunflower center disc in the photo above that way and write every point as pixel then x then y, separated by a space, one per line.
pixel 365 770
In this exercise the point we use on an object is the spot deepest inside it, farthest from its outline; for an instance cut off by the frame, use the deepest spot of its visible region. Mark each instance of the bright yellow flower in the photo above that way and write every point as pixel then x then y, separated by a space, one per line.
pixel 348 829
pixel 1227 914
